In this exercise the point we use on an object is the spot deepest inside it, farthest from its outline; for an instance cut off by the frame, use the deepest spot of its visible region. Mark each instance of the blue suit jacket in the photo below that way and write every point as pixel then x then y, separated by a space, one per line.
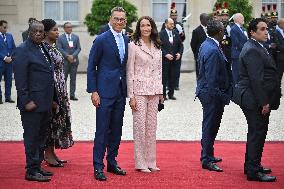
pixel 6 49
pixel 214 73
pixel 105 73
pixel 238 39
pixel 33 77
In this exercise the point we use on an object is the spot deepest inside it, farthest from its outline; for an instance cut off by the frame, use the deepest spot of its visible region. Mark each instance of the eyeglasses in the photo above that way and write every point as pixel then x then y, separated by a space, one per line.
pixel 116 19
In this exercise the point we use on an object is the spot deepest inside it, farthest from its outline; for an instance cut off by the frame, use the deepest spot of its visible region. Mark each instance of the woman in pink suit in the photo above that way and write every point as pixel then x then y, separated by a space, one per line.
pixel 145 89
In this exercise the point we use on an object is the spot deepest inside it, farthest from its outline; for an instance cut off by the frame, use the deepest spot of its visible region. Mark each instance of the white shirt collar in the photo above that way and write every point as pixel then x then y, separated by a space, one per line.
pixel 114 32
pixel 204 27
pixel 217 42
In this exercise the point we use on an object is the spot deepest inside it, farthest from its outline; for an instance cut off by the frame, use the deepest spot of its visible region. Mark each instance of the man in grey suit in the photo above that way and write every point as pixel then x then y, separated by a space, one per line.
pixel 69 45
pixel 257 93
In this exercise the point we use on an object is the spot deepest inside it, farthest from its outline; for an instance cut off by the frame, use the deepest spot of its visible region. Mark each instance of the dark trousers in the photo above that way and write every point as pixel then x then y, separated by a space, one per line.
pixel 257 130
pixel 35 126
pixel 168 77
pixel 71 68
pixel 235 70
pixel 6 70
pixel 109 121
pixel 213 109
pixel 178 65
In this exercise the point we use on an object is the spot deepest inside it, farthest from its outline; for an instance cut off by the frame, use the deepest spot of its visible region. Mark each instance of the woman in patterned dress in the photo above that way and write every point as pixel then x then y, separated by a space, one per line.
pixel 59 133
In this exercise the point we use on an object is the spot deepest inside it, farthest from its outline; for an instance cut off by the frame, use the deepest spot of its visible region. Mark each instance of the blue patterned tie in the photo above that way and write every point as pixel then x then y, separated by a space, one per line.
pixel 120 46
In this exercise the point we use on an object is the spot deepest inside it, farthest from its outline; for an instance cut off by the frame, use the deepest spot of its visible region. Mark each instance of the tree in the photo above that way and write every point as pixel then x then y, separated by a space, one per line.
pixel 241 6
pixel 100 13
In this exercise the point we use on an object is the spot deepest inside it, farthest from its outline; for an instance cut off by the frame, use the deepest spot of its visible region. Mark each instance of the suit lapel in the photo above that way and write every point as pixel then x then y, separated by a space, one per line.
pixel 113 44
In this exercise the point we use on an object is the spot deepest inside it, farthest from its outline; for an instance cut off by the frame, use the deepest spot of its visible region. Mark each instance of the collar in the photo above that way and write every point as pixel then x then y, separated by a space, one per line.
pixel 258 42
pixel 109 25
pixel 2 33
pixel 204 27
pixel 115 33
pixel 168 30
pixel 217 42
pixel 239 25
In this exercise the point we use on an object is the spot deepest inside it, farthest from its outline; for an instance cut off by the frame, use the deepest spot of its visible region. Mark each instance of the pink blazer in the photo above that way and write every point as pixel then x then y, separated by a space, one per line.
pixel 144 70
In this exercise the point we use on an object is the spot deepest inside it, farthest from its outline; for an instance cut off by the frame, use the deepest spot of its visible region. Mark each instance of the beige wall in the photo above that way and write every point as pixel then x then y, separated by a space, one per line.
pixel 17 12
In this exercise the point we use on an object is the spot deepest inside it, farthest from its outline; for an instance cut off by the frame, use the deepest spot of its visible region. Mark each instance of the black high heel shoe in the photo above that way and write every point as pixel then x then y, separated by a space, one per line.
pixel 61 161
pixel 58 164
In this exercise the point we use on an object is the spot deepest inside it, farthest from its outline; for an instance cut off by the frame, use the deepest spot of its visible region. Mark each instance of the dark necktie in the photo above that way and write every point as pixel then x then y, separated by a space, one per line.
pixel 4 37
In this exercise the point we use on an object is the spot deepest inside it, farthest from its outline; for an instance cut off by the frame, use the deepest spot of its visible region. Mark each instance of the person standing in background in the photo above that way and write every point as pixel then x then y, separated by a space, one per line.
pixel 7 45
pixel 25 33
pixel 145 90
pixel 199 35
pixel 171 52
pixel 238 39
pixel 69 45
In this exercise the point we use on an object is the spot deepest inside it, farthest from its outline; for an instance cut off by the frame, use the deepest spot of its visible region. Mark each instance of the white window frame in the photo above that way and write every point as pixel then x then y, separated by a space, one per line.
pixel 169 8
pixel 62 21
pixel 279 4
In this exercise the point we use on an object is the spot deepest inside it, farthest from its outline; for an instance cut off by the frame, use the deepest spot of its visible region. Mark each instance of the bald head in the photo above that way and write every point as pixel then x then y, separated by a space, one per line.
pixel 169 23
pixel 280 23
pixel 239 19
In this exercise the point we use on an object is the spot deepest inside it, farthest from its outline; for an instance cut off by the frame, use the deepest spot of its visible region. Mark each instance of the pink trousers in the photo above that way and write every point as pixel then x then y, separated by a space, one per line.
pixel 144 131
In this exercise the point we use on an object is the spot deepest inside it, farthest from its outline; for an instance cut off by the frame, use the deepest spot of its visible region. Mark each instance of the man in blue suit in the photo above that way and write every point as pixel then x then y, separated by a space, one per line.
pixel 213 90
pixel 35 88
pixel 238 39
pixel 106 80
pixel 7 45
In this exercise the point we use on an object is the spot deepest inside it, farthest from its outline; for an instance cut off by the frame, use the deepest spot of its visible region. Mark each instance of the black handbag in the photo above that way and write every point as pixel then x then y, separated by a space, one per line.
pixel 160 106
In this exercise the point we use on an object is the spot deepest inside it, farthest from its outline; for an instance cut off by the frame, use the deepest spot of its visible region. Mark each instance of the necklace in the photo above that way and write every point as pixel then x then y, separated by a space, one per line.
pixel 41 49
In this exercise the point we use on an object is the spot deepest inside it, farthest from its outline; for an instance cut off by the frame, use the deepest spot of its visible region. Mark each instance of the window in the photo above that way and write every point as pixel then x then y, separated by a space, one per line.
pixel 279 3
pixel 61 10
pixel 161 9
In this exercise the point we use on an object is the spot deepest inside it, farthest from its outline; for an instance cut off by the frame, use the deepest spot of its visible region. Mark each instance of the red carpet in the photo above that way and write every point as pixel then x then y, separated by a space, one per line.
pixel 179 163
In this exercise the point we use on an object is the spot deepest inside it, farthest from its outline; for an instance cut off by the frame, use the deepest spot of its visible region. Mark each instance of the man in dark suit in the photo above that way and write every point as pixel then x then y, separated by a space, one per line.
pixel 198 37
pixel 279 39
pixel 214 88
pixel 238 39
pixel 7 45
pixel 25 33
pixel 69 45
pixel 257 92
pixel 35 88
pixel 106 80
pixel 172 49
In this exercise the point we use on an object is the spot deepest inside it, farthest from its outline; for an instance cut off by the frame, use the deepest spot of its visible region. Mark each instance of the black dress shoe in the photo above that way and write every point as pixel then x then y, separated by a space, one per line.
pixel 262 170
pixel 61 161
pixel 216 160
pixel 73 98
pixel 37 177
pixel 116 170
pixel 99 175
pixel 212 167
pixel 9 100
pixel 45 172
pixel 261 177
pixel 177 88
pixel 172 98
pixel 55 165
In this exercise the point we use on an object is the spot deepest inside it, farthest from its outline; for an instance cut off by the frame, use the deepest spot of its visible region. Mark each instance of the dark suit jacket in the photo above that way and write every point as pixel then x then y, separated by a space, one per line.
pixel 25 35
pixel 105 73
pixel 279 39
pixel 6 49
pixel 258 77
pixel 63 46
pixel 214 74
pixel 167 47
pixel 198 37
pixel 238 39
pixel 33 77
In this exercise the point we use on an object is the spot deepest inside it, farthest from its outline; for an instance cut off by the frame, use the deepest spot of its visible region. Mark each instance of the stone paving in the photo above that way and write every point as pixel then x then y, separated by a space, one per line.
pixel 180 120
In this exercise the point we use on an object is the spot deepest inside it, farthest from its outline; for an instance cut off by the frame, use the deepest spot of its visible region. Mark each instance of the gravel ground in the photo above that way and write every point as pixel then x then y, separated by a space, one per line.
pixel 180 120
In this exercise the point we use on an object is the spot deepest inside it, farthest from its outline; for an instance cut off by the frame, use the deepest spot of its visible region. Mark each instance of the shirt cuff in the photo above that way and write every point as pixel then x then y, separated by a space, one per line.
pixel 5 58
